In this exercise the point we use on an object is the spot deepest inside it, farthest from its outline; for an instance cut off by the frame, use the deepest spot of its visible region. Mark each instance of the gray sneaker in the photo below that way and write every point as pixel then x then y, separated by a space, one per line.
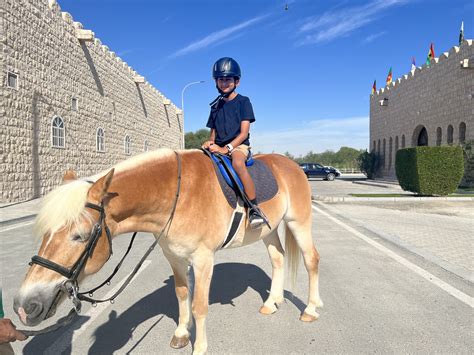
pixel 255 219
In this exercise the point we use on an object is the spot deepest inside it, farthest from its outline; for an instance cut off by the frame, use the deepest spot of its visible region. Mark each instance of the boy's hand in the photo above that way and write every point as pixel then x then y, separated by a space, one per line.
pixel 207 144
pixel 214 148
pixel 8 332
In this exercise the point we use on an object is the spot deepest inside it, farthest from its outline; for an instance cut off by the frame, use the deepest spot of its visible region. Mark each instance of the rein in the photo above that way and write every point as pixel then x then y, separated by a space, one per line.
pixel 71 287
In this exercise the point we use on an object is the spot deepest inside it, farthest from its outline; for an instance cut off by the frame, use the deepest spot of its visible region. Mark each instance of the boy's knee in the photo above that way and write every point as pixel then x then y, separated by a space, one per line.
pixel 238 164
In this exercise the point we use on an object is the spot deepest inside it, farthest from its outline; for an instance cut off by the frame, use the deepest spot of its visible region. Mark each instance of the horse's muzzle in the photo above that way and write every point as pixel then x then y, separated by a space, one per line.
pixel 35 307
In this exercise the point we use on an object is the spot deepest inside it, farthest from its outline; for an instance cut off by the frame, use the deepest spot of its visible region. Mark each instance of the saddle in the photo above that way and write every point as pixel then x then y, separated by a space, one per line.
pixel 266 186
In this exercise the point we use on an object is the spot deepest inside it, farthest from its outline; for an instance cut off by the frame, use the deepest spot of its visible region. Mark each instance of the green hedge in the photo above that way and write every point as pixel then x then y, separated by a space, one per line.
pixel 430 170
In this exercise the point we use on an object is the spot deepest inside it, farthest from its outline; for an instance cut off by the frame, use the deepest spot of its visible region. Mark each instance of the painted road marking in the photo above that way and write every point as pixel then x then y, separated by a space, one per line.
pixel 15 226
pixel 422 272
pixel 62 343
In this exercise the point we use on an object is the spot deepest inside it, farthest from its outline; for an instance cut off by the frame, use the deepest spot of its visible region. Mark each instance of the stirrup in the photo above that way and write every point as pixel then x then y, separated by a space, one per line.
pixel 259 212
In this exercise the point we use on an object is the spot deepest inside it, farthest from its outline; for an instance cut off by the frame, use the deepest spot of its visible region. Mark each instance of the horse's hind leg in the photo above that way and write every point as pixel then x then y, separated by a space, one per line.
pixel 276 253
pixel 301 233
pixel 180 271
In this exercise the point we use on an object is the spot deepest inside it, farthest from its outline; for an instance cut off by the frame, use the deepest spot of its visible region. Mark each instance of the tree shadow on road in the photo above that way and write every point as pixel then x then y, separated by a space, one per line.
pixel 229 281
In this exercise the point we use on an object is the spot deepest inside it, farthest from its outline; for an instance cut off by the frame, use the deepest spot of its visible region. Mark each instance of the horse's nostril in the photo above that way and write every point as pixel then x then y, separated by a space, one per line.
pixel 33 309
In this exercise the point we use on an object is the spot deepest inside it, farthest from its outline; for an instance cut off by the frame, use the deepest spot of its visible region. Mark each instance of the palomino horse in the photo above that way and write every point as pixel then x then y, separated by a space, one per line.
pixel 140 194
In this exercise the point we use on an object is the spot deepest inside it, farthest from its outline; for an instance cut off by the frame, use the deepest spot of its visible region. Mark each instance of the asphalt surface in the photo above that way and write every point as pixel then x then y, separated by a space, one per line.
pixel 380 295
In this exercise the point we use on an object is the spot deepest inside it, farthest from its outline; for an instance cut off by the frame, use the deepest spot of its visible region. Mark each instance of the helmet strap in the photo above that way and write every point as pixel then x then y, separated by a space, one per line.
pixel 221 96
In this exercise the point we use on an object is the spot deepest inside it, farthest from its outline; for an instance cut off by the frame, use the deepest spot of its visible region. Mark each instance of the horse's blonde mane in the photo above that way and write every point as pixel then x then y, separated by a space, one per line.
pixel 65 205
pixel 62 207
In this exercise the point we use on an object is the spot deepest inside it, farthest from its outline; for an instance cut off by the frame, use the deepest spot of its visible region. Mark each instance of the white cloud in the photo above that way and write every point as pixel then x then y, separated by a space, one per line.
pixel 217 37
pixel 335 24
pixel 372 37
pixel 317 136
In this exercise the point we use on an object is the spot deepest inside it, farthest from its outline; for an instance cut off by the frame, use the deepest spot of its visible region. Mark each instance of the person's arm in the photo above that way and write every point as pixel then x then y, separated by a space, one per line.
pixel 243 135
pixel 8 332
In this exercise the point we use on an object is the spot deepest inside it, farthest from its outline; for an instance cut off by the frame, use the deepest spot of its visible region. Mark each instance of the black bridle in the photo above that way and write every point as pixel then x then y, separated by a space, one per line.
pixel 71 287
pixel 73 273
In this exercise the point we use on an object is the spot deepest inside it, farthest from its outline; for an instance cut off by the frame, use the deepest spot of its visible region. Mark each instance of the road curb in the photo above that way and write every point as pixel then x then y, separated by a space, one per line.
pixel 9 222
pixel 387 199
pixel 373 184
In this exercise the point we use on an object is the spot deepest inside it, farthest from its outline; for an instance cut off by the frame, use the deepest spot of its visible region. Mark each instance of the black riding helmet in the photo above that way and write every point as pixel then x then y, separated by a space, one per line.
pixel 226 67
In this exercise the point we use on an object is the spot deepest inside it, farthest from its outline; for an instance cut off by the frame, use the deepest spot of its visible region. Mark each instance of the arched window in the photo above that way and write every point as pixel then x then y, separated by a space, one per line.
pixel 378 147
pixel 450 134
pixel 439 136
pixel 100 140
pixel 57 132
pixel 390 152
pixel 403 141
pixel 396 144
pixel 383 152
pixel 462 133
pixel 145 146
pixel 422 139
pixel 375 147
pixel 126 145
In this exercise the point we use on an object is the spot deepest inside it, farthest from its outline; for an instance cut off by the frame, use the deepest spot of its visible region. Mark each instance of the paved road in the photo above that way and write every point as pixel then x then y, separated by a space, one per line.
pixel 379 298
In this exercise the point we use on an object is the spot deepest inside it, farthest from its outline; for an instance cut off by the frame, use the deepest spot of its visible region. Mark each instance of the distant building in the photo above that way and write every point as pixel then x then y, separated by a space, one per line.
pixel 68 101
pixel 431 105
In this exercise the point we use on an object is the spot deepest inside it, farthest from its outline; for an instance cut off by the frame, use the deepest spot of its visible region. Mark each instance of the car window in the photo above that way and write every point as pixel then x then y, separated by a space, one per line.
pixel 318 166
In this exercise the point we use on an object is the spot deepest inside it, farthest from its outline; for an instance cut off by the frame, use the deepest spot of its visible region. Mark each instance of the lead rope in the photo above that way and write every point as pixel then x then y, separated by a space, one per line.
pixel 73 312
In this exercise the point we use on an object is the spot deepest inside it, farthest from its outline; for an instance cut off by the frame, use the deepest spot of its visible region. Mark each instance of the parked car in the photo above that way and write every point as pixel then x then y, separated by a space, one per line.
pixel 319 171
pixel 331 167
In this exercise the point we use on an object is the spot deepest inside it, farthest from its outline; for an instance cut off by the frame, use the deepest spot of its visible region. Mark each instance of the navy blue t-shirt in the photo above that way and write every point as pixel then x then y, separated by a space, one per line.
pixel 225 118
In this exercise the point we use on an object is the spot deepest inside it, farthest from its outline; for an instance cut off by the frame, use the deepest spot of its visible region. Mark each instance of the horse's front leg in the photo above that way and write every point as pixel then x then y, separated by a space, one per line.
pixel 180 270
pixel 203 266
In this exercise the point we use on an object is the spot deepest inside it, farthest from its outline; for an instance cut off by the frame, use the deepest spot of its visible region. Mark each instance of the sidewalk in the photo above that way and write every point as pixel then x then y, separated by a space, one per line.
pixel 19 212
pixel 340 190
pixel 438 229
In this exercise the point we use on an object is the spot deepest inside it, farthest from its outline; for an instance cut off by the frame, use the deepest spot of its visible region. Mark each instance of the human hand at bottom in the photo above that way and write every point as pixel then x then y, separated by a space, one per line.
pixel 8 332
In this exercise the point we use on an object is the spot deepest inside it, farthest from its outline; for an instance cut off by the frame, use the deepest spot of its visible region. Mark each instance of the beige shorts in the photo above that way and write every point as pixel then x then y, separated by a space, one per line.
pixel 243 148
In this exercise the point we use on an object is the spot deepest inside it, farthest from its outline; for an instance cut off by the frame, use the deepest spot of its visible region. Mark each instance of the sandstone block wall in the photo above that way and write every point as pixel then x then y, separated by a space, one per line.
pixel 438 98
pixel 39 44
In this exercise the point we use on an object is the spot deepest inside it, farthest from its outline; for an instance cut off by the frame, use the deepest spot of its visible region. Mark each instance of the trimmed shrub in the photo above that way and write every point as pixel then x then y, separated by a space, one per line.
pixel 430 170
pixel 368 163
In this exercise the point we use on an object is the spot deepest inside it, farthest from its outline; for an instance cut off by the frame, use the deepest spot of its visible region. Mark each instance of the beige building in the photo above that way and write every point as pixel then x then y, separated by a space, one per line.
pixel 431 105
pixel 67 101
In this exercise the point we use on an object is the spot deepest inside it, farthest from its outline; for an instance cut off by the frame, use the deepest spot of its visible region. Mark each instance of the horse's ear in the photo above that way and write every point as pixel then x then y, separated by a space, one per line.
pixel 99 189
pixel 69 175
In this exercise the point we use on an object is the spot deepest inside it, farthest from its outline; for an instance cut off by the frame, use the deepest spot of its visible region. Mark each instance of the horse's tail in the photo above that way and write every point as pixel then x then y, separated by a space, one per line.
pixel 292 252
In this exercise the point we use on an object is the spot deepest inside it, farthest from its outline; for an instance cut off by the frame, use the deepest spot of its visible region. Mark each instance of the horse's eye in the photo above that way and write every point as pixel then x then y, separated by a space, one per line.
pixel 77 238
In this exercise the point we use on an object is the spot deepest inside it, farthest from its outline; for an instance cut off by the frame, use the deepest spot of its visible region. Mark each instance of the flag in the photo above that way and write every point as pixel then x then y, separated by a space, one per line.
pixel 374 87
pixel 461 33
pixel 413 63
pixel 431 55
pixel 389 77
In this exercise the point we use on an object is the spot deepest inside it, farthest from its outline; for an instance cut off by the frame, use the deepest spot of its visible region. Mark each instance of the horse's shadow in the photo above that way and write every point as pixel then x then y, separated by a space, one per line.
pixel 229 281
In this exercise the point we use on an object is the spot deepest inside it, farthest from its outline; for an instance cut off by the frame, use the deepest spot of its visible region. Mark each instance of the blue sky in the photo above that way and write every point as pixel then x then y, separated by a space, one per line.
pixel 308 70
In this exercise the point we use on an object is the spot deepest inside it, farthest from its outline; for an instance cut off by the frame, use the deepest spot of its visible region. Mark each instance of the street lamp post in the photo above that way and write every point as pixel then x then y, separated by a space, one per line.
pixel 182 102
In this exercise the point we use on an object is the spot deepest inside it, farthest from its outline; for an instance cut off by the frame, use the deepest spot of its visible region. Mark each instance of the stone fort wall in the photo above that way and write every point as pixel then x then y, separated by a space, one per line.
pixel 56 61
pixel 438 98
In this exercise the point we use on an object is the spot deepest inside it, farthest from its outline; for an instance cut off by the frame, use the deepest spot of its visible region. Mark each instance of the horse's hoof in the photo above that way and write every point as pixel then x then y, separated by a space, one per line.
pixel 178 343
pixel 267 310
pixel 305 317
